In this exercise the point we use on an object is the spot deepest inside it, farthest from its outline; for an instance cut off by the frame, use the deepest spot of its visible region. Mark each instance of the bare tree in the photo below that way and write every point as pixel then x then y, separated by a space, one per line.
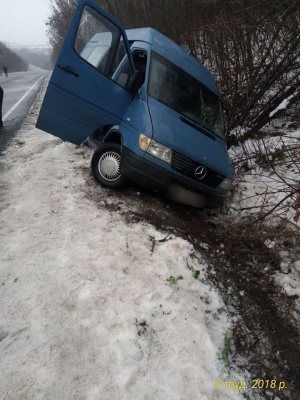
pixel 58 23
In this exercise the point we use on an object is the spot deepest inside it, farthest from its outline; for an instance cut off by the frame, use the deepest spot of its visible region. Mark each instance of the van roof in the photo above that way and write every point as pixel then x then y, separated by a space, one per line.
pixel 174 53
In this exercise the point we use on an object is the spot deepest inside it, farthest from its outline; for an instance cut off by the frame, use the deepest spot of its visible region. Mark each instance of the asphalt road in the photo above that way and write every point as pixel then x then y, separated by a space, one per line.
pixel 20 91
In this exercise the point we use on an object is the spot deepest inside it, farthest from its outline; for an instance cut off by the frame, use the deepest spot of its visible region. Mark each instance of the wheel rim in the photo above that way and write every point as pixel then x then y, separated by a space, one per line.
pixel 109 166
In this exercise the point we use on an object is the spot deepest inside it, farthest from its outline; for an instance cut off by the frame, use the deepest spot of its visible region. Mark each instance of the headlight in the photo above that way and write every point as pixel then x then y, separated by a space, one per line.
pixel 160 151
pixel 144 142
pixel 156 149
pixel 226 184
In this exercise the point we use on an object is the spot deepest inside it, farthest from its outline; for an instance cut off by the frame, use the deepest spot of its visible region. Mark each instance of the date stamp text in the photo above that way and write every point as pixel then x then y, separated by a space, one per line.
pixel 271 384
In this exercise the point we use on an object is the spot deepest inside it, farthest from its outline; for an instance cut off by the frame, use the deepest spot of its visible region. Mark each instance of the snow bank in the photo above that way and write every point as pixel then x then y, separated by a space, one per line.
pixel 271 172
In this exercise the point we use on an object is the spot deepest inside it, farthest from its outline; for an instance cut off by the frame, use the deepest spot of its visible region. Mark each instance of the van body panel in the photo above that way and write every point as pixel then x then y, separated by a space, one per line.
pixel 70 112
pixel 136 120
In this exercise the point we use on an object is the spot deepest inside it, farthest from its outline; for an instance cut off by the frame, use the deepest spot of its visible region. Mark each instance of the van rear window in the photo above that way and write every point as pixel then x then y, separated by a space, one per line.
pixel 180 91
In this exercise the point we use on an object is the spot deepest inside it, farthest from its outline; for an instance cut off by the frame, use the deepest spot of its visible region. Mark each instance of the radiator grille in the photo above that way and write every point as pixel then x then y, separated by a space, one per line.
pixel 187 167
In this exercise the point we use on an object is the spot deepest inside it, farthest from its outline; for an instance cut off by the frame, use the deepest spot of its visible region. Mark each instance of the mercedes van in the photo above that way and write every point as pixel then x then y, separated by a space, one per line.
pixel 152 111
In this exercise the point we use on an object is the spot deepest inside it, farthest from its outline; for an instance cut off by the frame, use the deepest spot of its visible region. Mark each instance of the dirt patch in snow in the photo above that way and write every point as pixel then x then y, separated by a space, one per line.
pixel 242 266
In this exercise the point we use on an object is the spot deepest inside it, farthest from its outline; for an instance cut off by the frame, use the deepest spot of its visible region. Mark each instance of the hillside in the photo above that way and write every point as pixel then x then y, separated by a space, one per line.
pixel 13 61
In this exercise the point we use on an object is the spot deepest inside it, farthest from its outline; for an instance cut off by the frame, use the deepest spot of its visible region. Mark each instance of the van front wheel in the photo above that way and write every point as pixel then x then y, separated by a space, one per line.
pixel 106 166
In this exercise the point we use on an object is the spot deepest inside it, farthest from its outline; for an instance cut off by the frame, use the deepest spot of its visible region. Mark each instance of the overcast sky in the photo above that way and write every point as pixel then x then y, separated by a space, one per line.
pixel 24 21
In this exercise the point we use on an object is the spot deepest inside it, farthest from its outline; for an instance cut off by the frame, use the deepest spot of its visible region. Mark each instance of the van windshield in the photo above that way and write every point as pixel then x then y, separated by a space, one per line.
pixel 183 93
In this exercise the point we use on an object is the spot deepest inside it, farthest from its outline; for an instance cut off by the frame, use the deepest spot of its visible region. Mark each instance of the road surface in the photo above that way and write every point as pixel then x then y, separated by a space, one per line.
pixel 20 91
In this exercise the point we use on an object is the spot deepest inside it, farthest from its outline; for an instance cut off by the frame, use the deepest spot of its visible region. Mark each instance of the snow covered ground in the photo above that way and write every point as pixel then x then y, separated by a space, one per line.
pixel 96 308
pixel 272 172
pixel 267 182
pixel 93 307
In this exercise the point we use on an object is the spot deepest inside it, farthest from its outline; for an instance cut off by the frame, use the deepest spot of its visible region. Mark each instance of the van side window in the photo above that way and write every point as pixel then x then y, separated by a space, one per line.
pixel 99 42
pixel 140 61
pixel 123 76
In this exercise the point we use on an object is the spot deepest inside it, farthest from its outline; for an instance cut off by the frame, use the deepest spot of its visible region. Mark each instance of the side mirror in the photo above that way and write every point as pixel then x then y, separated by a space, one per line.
pixel 136 81
pixel 230 141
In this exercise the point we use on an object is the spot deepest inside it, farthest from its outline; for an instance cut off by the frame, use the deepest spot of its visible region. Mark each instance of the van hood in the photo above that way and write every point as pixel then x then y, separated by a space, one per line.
pixel 170 130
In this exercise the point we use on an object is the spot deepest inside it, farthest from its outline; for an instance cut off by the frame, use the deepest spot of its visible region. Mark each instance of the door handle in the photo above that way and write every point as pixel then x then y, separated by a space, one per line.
pixel 68 70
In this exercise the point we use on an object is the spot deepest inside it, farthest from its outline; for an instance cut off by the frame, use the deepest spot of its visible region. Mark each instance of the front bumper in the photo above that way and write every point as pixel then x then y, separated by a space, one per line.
pixel 170 183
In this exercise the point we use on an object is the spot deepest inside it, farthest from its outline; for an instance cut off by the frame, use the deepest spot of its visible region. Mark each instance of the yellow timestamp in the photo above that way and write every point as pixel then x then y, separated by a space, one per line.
pixel 255 384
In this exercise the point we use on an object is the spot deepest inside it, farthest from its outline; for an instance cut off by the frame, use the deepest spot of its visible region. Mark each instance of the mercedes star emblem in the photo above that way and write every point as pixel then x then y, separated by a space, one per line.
pixel 200 172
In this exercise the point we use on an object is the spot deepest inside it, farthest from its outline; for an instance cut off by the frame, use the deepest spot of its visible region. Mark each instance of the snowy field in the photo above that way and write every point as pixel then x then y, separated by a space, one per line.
pixel 89 306
pixel 96 308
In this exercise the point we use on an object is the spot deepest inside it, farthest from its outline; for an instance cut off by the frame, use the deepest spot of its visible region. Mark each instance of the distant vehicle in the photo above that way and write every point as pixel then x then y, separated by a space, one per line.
pixel 152 111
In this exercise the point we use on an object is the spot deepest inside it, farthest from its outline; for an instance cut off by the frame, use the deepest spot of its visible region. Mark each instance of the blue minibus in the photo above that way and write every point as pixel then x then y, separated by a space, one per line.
pixel 152 111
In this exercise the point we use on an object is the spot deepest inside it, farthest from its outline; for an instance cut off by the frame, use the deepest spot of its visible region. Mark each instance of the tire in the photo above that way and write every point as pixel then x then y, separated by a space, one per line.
pixel 106 166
